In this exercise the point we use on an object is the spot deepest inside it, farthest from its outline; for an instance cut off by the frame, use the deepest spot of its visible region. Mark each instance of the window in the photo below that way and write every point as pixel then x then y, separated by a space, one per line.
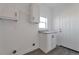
pixel 43 23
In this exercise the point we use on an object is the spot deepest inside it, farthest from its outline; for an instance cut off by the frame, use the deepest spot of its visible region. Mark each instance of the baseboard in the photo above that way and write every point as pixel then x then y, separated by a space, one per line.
pixel 23 52
pixel 31 51
pixel 69 48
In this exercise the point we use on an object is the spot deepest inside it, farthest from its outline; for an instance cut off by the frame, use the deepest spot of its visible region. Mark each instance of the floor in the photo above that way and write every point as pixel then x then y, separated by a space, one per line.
pixel 57 51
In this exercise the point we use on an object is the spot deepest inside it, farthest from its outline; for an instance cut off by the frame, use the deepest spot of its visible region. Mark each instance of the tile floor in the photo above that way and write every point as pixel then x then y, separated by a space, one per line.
pixel 57 51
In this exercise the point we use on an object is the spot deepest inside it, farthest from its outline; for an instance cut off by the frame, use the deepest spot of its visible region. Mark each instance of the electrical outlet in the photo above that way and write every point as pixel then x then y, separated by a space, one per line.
pixel 14 51
pixel 33 44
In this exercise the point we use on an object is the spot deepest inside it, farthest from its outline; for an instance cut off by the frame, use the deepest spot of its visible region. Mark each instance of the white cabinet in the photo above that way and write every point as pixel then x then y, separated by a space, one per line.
pixel 34 13
pixel 8 12
pixel 47 41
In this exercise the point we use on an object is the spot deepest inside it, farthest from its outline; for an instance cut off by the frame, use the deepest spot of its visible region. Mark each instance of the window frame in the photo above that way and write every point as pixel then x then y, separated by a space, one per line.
pixel 46 24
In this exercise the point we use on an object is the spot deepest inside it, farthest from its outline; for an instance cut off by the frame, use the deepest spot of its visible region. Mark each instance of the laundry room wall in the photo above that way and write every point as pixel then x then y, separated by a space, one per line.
pixel 19 35
pixel 65 22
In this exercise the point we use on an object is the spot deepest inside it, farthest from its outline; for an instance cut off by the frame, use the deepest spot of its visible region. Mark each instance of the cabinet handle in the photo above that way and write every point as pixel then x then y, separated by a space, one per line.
pixel 52 36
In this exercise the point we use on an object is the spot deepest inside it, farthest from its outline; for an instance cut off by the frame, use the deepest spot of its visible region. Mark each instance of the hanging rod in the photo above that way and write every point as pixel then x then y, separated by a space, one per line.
pixel 8 18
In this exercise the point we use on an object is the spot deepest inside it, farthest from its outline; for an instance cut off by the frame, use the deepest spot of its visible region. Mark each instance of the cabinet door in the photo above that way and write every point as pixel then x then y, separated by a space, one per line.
pixel 51 42
pixel 7 10
pixel 35 13
pixel 43 42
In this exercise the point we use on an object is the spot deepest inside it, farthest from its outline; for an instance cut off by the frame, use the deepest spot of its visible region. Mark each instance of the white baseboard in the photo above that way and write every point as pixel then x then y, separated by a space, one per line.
pixel 25 51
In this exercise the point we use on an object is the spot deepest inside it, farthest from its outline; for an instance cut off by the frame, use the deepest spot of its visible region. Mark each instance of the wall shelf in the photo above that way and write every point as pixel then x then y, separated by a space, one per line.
pixel 8 19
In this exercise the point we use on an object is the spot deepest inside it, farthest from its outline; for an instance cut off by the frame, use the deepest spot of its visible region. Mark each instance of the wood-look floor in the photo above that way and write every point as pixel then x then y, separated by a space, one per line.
pixel 57 51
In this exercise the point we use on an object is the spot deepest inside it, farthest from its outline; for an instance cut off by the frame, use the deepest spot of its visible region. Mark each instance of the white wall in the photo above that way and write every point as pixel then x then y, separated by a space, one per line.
pixel 67 18
pixel 57 11
pixel 17 35
pixel 45 11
